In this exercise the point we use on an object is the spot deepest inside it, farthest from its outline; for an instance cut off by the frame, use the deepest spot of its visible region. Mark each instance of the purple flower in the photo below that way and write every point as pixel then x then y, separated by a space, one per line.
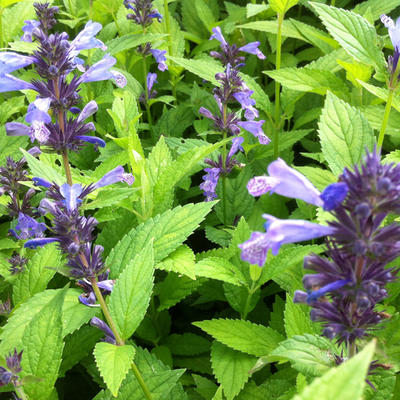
pixel 210 183
pixel 9 83
pixel 89 298
pixel 28 227
pixel 71 195
pixel 236 146
pixel 333 195
pixel 10 62
pixel 39 242
pixel 100 71
pixel 13 362
pixel 143 12
pixel 28 28
pixel 90 109
pixel 394 30
pixel 151 79
pixel 279 232
pixel 217 34
pixel 41 182
pixel 98 323
pixel 255 128
pixel 86 40
pixel 247 104
pixel 252 48
pixel 316 294
pixel 92 139
pixel 38 110
pixel 160 58
pixel 116 175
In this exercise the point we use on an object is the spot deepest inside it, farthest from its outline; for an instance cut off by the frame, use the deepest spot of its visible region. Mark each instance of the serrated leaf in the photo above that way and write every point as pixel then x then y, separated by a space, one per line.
pixel 159 158
pixel 282 6
pixel 42 170
pixel 231 368
pixel 242 335
pixel 187 344
pixel 288 29
pixel 113 363
pixel 354 33
pixel 344 134
pixel 42 343
pixel 181 261
pixel 221 269
pixel 37 274
pixel 376 7
pixel 297 319
pixel 132 292
pixel 168 231
pixel 345 382
pixel 309 80
pixel 311 355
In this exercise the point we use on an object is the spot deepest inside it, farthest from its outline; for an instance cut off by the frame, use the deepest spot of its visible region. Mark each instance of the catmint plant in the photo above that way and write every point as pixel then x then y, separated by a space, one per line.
pixel 350 280
pixel 232 89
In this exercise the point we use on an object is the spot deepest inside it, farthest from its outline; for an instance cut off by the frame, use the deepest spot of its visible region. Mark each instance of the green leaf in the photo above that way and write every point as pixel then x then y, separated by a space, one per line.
pixel 242 335
pixel 345 382
pixel 205 14
pixel 221 269
pixel 231 368
pixel 297 319
pixel 181 261
pixel 9 144
pixel 43 345
pixel 311 355
pixel 113 363
pixel 344 134
pixel 319 177
pixel 376 7
pixel 168 231
pixel 309 80
pixel 132 292
pixel 42 170
pixel 288 29
pixel 187 344
pixel 159 159
pixel 354 33
pixel 381 93
pixel 282 6
pixel 38 272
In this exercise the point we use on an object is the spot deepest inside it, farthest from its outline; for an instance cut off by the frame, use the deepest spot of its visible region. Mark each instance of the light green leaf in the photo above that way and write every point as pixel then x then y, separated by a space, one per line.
pixel 297 319
pixel 168 231
pixel 43 345
pixel 205 14
pixel 132 292
pixel 242 335
pixel 220 269
pixel 311 355
pixel 113 363
pixel 181 261
pixel 376 7
pixel 309 80
pixel 159 159
pixel 344 134
pixel 288 29
pixel 345 382
pixel 42 170
pixel 354 33
pixel 6 3
pixel 231 368
pixel 282 6
pixel 38 272
pixel 381 93
pixel 319 177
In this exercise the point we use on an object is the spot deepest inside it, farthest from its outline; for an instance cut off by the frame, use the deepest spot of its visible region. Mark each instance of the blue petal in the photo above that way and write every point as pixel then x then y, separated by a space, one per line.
pixel 34 243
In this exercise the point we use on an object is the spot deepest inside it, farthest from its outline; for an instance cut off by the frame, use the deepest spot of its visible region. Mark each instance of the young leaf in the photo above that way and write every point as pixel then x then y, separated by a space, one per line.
pixel 113 363
pixel 168 231
pixel 132 292
pixel 231 368
pixel 42 342
pixel 181 261
pixel 242 335
pixel 345 382
pixel 354 33
pixel 282 6
pixel 344 134
pixel 309 354
pixel 37 274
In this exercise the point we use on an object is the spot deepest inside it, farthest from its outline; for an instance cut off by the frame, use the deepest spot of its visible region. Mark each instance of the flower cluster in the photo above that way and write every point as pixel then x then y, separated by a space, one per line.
pixel 74 232
pixel 347 283
pixel 231 89
pixel 394 33
pixel 58 94
pixel 10 374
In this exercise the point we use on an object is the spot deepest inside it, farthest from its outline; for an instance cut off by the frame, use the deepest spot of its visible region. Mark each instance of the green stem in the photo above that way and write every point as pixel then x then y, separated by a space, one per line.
pixel 277 85
pixel 118 338
pixel 116 24
pixel 333 2
pixel 67 168
pixel 224 111
pixel 385 118
pixel 249 296
pixel 19 390
pixel 1 28
pixel 142 383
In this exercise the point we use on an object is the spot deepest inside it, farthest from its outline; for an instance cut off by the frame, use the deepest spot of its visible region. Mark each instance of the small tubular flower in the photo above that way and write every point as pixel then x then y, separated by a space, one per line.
pixel 10 62
pixel 394 30
pixel 159 56
pixel 279 232
pixel 9 83
pixel 28 29
pixel 116 175
pixel 86 40
pixel 28 227
pixel 109 335
pixel 255 128
pixel 252 48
